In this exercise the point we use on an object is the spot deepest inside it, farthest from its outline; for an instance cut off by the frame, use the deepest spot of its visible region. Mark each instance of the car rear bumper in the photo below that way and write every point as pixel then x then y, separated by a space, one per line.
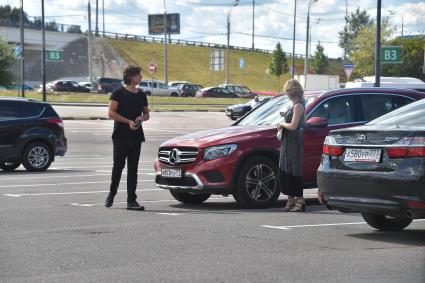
pixel 61 146
pixel 371 192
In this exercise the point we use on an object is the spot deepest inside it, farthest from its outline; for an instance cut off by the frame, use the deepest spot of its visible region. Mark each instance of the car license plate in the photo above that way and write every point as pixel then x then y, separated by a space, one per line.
pixel 171 173
pixel 362 155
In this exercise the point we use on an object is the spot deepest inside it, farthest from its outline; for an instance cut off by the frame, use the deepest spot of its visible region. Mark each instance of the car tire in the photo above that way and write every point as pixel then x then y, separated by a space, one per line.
pixel 9 166
pixel 37 157
pixel 188 198
pixel 385 223
pixel 174 94
pixel 257 183
pixel 148 93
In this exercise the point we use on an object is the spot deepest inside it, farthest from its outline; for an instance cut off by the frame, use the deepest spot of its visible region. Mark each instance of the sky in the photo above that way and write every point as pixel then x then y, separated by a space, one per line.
pixel 205 20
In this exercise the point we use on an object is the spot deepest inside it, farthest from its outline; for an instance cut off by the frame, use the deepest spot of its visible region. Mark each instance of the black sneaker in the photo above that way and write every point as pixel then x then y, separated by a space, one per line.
pixel 109 200
pixel 133 205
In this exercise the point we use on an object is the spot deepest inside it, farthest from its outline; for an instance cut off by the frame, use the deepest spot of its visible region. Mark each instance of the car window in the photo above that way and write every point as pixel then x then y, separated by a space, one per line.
pixel 267 113
pixel 154 85
pixel 400 101
pixel 19 109
pixel 375 105
pixel 75 84
pixel 245 89
pixel 412 114
pixel 225 91
pixel 163 86
pixel 145 84
pixel 338 110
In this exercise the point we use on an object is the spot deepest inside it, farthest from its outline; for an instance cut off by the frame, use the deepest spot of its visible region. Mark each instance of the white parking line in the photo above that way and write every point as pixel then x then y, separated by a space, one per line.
pixel 102 203
pixel 33 176
pixel 65 184
pixel 169 213
pixel 321 225
pixel 72 193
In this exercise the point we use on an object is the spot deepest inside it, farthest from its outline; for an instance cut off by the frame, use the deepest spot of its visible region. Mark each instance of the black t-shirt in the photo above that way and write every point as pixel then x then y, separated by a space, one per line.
pixel 130 106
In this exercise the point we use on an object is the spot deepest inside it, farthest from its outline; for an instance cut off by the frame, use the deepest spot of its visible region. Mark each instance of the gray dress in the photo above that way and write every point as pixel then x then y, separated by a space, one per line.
pixel 291 156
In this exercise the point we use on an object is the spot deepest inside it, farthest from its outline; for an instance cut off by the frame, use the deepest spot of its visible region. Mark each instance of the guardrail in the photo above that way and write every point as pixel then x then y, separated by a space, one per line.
pixel 153 39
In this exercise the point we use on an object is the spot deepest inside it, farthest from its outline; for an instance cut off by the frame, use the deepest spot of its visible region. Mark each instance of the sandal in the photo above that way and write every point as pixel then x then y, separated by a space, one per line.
pixel 299 205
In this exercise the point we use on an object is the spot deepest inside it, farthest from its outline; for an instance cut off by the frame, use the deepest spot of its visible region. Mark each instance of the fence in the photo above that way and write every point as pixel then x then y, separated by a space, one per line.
pixel 152 39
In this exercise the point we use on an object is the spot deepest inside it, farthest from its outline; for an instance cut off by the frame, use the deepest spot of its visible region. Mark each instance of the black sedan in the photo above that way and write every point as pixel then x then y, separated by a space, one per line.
pixel 218 92
pixel 236 111
pixel 378 169
pixel 69 86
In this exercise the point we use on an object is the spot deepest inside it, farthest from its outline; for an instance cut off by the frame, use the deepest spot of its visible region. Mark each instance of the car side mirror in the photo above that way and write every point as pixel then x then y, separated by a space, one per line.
pixel 317 122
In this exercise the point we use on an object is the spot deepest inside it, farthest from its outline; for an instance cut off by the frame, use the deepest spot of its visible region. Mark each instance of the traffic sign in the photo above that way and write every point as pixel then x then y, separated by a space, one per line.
pixel 391 54
pixel 18 51
pixel 152 68
pixel 349 68
pixel 54 55
pixel 241 63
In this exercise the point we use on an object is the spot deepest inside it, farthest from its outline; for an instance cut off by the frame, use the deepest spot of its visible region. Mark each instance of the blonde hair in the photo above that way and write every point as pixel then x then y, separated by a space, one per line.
pixel 293 89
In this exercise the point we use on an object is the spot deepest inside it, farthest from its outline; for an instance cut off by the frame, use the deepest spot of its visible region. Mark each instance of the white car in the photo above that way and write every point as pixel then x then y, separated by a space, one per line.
pixel 157 88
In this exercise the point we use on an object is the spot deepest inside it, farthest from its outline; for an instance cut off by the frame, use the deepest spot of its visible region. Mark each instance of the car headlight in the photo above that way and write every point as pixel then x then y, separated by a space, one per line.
pixel 215 152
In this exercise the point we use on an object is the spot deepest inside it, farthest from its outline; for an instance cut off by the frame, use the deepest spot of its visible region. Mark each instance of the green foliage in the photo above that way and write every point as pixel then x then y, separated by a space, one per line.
pixel 412 58
pixel 7 57
pixel 11 15
pixel 320 61
pixel 364 55
pixel 356 22
pixel 279 64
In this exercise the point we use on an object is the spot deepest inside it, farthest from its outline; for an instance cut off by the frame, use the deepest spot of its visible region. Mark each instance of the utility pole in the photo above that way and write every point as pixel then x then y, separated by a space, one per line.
pixel 378 46
pixel 346 30
pixel 43 52
pixel 21 23
pixel 103 17
pixel 235 3
pixel 165 46
pixel 97 19
pixel 89 42
pixel 293 40
pixel 253 23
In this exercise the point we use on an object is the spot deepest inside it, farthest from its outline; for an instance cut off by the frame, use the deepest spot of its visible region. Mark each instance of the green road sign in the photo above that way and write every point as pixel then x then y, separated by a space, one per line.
pixel 391 54
pixel 54 55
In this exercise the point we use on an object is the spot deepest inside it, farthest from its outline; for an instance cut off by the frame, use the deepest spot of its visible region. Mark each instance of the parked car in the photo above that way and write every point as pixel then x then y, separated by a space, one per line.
pixel 243 159
pixel 107 85
pixel 217 92
pixel 236 111
pixel 240 90
pixel 177 83
pixel 157 88
pixel 88 85
pixel 378 169
pixel 66 86
pixel 188 90
pixel 49 86
pixel 31 134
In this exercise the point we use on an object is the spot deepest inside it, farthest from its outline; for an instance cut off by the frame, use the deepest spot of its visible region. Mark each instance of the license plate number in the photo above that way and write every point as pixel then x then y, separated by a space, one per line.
pixel 171 173
pixel 362 155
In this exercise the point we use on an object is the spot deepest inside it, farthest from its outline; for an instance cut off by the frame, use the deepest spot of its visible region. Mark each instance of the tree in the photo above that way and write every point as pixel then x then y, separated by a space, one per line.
pixel 412 58
pixel 7 57
pixel 364 54
pixel 319 62
pixel 356 22
pixel 279 64
pixel 11 16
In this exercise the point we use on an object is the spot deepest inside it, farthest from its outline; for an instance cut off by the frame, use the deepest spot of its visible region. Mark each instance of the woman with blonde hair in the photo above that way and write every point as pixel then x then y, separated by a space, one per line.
pixel 292 149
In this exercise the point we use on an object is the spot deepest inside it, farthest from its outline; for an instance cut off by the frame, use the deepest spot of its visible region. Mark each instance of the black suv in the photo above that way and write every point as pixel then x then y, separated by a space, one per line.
pixel 31 133
pixel 105 85
pixel 186 90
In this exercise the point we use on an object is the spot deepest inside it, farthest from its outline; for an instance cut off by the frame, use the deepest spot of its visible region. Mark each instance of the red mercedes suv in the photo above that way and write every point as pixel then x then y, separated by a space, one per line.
pixel 242 159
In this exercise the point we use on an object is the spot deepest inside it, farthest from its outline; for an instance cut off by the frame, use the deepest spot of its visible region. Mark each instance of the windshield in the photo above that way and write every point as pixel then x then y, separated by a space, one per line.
pixel 412 114
pixel 268 113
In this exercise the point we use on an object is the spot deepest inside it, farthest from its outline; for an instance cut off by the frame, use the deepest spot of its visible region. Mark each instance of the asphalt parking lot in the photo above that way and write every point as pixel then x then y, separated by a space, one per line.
pixel 54 226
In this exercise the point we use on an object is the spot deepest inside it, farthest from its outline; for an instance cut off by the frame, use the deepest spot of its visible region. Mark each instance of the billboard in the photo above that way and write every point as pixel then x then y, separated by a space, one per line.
pixel 156 24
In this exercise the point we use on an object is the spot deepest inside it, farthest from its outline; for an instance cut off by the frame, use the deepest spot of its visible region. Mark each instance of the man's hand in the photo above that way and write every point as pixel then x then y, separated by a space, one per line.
pixel 132 125
pixel 321 198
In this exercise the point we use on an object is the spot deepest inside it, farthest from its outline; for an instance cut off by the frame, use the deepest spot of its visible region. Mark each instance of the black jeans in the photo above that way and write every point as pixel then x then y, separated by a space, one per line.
pixel 126 149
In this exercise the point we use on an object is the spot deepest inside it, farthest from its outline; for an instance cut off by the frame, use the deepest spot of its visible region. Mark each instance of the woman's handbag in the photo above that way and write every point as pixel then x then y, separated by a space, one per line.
pixel 279 135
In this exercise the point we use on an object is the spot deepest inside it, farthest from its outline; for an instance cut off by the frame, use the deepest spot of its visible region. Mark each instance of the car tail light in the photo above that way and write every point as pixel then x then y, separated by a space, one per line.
pixel 409 147
pixel 415 204
pixel 331 148
pixel 58 122
pixel 99 87
pixel 55 86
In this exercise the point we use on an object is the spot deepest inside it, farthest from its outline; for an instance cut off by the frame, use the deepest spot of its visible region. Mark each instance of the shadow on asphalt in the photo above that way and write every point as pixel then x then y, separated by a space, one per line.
pixel 405 237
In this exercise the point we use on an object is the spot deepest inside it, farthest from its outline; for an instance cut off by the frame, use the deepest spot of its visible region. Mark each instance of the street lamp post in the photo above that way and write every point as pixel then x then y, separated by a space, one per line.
pixel 235 3
pixel 311 28
pixel 392 13
pixel 293 41
pixel 310 3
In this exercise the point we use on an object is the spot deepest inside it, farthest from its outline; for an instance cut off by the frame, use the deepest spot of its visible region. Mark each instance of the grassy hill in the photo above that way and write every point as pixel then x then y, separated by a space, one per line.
pixel 192 64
